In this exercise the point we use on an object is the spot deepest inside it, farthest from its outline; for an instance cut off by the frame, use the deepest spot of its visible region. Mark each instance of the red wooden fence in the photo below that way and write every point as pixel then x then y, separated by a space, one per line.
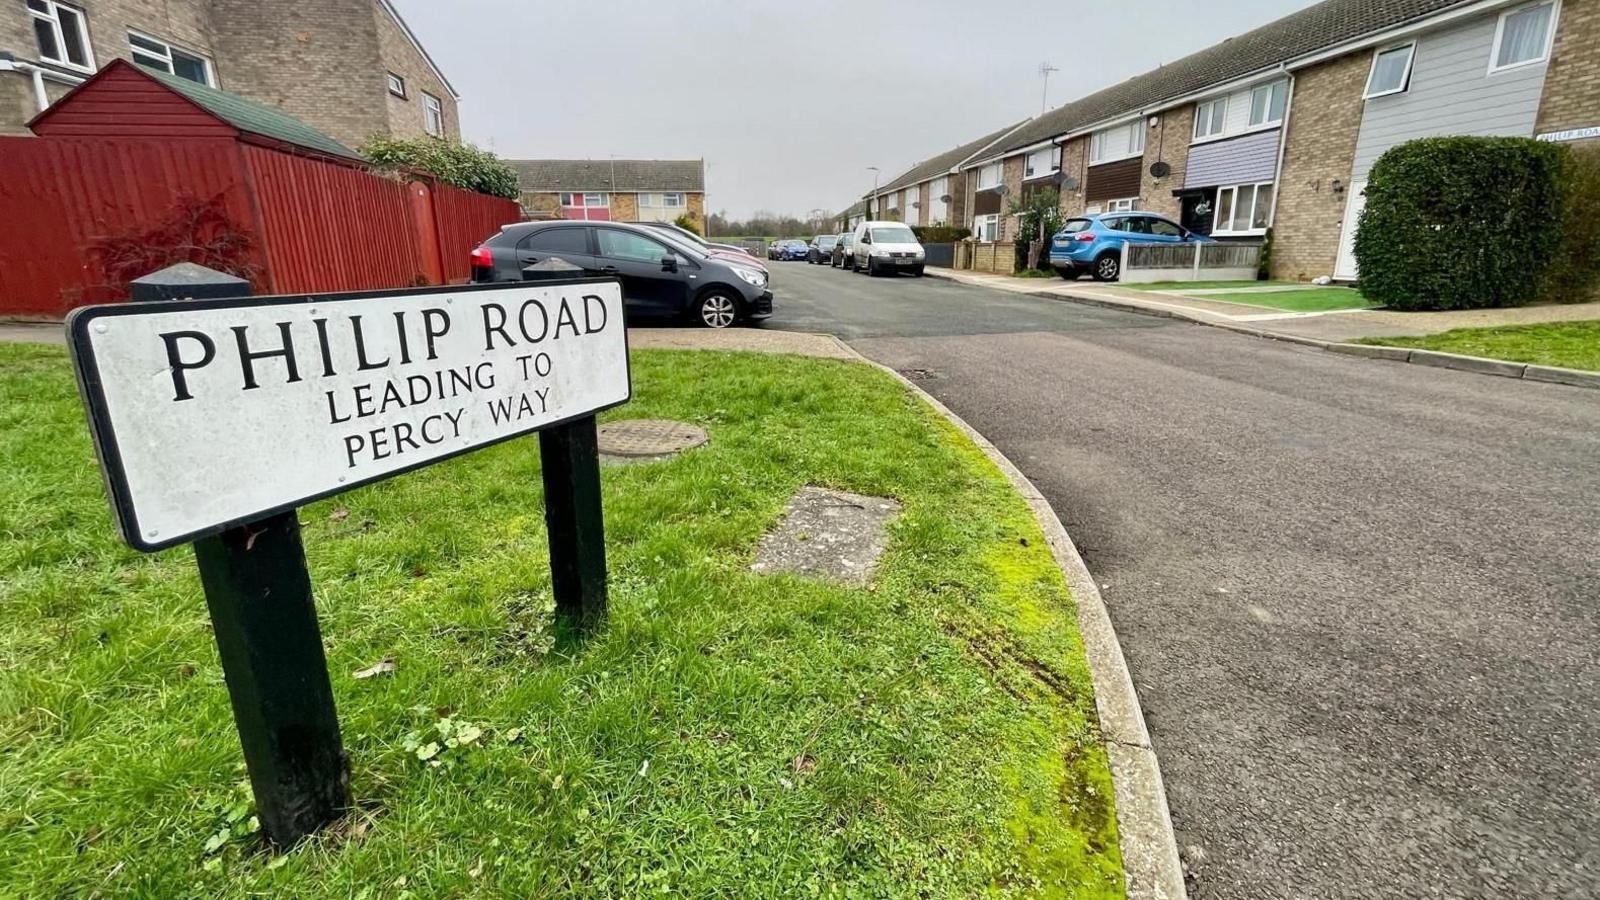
pixel 315 225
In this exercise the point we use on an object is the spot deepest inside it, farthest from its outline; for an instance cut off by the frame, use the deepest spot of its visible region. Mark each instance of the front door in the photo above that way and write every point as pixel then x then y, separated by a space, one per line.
pixel 1345 269
pixel 648 288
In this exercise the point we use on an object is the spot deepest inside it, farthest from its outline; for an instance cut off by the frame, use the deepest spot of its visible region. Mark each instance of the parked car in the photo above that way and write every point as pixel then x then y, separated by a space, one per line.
pixel 775 250
pixel 887 247
pixel 661 277
pixel 685 234
pixel 1093 244
pixel 792 250
pixel 844 251
pixel 821 248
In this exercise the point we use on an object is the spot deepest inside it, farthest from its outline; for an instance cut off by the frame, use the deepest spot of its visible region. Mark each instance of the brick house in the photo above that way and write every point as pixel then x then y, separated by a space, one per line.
pixel 620 190
pixel 350 68
pixel 1276 128
pixel 934 191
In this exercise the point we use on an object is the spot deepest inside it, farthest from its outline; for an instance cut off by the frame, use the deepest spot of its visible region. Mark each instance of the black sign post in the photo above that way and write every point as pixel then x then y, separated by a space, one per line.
pixel 570 458
pixel 259 593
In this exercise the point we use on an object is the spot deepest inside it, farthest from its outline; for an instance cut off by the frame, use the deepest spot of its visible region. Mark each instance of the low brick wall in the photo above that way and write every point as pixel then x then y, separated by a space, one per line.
pixel 999 258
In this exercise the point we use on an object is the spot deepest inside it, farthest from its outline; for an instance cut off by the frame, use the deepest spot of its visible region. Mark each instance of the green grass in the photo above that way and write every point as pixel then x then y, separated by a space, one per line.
pixel 1570 345
pixel 1206 285
pixel 727 735
pixel 1035 273
pixel 1320 299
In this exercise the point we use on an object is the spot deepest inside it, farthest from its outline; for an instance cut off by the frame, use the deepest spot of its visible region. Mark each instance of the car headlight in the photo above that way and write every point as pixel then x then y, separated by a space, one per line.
pixel 759 279
pixel 876 252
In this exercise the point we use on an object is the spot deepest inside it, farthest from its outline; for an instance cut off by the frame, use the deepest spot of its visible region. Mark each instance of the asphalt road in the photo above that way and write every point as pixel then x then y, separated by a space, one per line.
pixel 1359 599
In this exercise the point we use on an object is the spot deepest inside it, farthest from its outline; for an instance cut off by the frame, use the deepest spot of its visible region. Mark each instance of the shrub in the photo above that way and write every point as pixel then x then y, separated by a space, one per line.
pixel 196 230
pixel 454 163
pixel 1460 222
pixel 686 222
pixel 940 234
pixel 1574 276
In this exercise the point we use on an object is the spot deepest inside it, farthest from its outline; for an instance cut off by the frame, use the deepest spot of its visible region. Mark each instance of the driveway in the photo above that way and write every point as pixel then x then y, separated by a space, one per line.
pixel 1359 599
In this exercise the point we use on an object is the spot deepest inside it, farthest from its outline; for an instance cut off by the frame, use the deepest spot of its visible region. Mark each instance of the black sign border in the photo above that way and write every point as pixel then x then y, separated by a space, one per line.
pixel 91 389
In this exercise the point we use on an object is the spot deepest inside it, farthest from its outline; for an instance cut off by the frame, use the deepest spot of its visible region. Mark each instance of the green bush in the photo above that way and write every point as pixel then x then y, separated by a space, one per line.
pixel 1574 276
pixel 1460 222
pixel 686 222
pixel 940 234
pixel 454 163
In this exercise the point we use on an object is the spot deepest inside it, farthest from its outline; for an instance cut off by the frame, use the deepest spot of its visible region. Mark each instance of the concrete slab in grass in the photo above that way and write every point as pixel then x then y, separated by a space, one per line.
pixel 828 534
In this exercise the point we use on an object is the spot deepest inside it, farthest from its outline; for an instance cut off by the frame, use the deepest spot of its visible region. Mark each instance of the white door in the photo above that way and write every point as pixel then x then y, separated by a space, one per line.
pixel 1345 269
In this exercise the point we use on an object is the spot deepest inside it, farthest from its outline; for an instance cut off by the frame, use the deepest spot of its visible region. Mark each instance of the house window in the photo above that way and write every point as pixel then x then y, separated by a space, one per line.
pixel 397 86
pixel 1113 144
pixel 672 201
pixel 590 201
pixel 1124 205
pixel 1210 118
pixel 987 228
pixel 1267 103
pixel 1391 70
pixel 989 176
pixel 1040 163
pixel 1245 209
pixel 432 115
pixel 663 201
pixel 62 34
pixel 147 51
pixel 1523 36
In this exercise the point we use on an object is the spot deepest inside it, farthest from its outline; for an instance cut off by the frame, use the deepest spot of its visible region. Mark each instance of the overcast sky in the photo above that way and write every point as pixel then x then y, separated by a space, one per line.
pixel 790 102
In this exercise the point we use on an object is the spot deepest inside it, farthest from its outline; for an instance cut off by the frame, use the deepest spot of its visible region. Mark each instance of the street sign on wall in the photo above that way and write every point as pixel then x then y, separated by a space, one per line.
pixel 211 413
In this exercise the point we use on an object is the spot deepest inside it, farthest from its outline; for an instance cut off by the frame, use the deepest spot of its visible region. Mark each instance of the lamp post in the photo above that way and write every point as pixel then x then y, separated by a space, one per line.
pixel 874 195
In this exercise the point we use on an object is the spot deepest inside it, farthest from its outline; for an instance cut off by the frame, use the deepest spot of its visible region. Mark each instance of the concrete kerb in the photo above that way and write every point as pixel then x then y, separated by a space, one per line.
pixel 1149 847
pixel 1478 364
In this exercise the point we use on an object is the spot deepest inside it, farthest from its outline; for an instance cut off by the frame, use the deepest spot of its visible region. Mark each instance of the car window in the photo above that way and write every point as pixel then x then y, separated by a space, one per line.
pixel 1120 223
pixel 1076 225
pixel 1136 225
pixel 616 244
pixel 893 234
pixel 557 240
pixel 1163 228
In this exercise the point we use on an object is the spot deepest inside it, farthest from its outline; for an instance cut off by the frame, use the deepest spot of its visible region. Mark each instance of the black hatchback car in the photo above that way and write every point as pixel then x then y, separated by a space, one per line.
pixel 661 277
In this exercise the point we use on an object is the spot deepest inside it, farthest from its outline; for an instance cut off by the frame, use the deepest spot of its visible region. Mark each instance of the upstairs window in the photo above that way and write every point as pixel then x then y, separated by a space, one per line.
pixel 592 201
pixel 147 51
pixel 1113 144
pixel 432 115
pixel 1040 163
pixel 397 86
pixel 989 176
pixel 62 34
pixel 1210 118
pixel 1267 103
pixel 1391 71
pixel 1523 36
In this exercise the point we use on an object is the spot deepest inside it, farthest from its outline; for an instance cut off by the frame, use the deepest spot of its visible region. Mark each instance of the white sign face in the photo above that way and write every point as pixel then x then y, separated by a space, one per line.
pixel 1576 134
pixel 210 413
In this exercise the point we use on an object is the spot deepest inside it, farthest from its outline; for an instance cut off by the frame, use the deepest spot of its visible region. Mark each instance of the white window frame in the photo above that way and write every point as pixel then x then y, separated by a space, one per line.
pixel 397 85
pixel 432 115
pixel 1053 161
pixel 1269 87
pixel 1206 112
pixel 53 17
pixel 980 224
pixel 1121 205
pixel 1500 32
pixel 170 47
pixel 1132 134
pixel 584 200
pixel 984 182
pixel 937 189
pixel 673 200
pixel 1255 199
pixel 1405 80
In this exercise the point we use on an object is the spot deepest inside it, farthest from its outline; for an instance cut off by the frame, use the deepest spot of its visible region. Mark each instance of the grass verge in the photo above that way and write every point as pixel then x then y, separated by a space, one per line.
pixel 726 735
pixel 1322 299
pixel 1569 345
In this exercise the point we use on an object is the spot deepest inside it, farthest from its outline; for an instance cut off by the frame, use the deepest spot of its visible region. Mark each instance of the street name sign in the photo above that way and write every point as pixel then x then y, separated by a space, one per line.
pixel 208 414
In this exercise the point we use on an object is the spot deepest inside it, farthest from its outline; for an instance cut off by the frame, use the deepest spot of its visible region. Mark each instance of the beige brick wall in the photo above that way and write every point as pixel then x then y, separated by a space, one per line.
pixel 398 55
pixel 697 210
pixel 1168 142
pixel 1011 177
pixel 1320 148
pixel 540 204
pixel 1572 83
pixel 957 216
pixel 1074 164
pixel 624 207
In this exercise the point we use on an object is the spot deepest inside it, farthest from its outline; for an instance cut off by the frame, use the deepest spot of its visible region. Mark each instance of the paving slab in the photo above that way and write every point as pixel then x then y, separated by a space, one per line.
pixel 828 534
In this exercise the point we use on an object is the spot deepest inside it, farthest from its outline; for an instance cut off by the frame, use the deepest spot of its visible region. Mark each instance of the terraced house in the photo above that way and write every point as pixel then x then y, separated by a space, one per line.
pixel 1277 128
pixel 933 192
pixel 617 190
pixel 349 68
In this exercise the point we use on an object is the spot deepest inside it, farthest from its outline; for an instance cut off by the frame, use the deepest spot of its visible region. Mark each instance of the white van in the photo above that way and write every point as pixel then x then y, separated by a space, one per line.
pixel 887 247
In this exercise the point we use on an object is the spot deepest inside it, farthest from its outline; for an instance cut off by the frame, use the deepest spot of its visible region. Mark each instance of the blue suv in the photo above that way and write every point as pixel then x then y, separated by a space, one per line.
pixel 1093 244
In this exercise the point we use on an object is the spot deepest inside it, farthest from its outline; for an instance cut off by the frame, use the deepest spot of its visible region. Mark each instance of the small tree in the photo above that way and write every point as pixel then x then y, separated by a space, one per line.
pixel 686 222
pixel 1038 219
pixel 454 163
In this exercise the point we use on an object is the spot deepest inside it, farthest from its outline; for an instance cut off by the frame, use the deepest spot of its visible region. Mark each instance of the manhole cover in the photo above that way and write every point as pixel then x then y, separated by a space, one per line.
pixel 649 438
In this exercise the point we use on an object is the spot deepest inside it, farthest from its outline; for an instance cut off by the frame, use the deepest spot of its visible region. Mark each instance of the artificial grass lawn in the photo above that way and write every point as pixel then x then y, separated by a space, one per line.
pixel 1293 298
pixel 727 734
pixel 1206 285
pixel 1570 345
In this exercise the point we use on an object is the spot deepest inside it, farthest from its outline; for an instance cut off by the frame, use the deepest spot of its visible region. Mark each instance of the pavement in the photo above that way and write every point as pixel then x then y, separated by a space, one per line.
pixel 1357 598
pixel 1341 325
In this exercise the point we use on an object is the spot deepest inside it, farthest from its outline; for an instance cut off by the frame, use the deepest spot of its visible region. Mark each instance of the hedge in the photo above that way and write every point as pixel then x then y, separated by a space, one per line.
pixel 940 234
pixel 457 164
pixel 1574 276
pixel 1461 222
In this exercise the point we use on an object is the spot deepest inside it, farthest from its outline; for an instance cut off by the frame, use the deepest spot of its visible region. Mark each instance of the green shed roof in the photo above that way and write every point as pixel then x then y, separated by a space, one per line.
pixel 255 118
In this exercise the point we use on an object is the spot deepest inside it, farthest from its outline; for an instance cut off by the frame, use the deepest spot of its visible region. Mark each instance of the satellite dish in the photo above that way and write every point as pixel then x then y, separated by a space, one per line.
pixel 1160 170
pixel 945 198
pixel 1067 182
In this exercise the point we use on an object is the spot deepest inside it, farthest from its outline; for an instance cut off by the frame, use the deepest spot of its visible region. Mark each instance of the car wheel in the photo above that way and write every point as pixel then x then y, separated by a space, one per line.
pixel 718 310
pixel 1107 267
pixel 917 271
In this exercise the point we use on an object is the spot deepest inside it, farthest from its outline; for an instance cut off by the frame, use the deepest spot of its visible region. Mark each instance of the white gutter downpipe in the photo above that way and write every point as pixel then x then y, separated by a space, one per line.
pixel 40 97
pixel 1283 149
